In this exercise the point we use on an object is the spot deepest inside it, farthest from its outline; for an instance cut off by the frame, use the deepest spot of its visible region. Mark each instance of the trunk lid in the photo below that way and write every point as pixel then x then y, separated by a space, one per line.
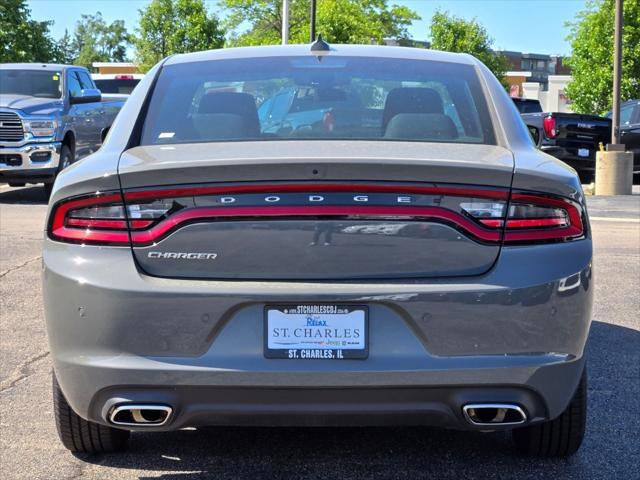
pixel 347 210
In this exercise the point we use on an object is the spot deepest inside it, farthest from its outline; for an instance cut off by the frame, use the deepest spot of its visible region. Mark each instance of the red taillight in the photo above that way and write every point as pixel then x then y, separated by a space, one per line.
pixel 94 219
pixel 124 77
pixel 549 125
pixel 101 219
pixel 533 218
pixel 144 217
pixel 542 218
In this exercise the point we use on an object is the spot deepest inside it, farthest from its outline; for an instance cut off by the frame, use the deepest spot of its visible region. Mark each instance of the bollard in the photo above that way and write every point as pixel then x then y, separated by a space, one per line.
pixel 614 173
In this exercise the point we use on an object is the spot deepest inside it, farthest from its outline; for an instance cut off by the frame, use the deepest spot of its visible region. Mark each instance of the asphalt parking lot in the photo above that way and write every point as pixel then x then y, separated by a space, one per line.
pixel 29 447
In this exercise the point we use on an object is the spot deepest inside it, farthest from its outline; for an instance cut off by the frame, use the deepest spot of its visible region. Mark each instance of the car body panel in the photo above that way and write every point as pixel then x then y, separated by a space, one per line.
pixel 513 331
pixel 418 342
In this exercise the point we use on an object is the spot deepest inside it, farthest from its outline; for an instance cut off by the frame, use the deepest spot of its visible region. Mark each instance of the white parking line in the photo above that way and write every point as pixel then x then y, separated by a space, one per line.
pixel 615 219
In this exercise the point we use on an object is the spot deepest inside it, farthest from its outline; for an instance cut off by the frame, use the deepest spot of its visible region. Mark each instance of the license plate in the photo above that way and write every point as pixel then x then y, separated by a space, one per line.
pixel 583 152
pixel 311 332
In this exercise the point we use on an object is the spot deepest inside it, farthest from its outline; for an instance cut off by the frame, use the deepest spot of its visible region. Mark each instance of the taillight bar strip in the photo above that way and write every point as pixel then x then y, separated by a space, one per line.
pixel 86 235
pixel 65 227
pixel 497 194
pixel 536 222
pixel 96 223
pixel 163 228
pixel 524 222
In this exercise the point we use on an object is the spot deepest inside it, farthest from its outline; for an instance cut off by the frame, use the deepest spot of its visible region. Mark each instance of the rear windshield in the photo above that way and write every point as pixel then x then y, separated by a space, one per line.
pixel 528 106
pixel 116 85
pixel 305 97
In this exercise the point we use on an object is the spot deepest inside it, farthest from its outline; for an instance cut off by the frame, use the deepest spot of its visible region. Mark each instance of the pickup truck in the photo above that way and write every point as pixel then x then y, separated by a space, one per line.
pixel 50 116
pixel 570 137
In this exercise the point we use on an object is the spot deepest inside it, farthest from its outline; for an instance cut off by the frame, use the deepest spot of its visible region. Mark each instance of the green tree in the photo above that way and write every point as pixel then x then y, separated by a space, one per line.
pixel 339 21
pixel 21 38
pixel 94 40
pixel 591 59
pixel 455 34
pixel 175 26
pixel 63 51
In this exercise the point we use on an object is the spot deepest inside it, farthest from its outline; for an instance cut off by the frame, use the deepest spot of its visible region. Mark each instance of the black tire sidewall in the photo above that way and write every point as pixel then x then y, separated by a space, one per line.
pixel 65 152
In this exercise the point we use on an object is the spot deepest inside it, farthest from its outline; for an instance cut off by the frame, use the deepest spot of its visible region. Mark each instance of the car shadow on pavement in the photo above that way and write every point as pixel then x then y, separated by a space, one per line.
pixel 30 195
pixel 367 453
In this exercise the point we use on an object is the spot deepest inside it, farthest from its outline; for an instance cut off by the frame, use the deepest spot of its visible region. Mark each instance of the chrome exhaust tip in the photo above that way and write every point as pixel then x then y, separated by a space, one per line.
pixel 493 414
pixel 140 415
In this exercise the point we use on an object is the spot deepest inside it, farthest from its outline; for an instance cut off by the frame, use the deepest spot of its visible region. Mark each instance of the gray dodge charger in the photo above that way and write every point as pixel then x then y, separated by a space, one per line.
pixel 319 235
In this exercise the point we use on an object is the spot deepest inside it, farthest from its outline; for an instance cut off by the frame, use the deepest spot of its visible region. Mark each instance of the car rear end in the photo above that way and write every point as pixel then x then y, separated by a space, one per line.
pixel 416 276
pixel 574 139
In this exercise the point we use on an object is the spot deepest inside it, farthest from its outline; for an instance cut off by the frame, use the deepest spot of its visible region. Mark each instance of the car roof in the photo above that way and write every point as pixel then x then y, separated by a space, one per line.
pixel 379 51
pixel 47 67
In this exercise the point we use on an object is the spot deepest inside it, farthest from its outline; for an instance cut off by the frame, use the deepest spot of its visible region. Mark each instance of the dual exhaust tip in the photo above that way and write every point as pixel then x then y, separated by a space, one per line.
pixel 478 414
pixel 134 415
pixel 493 414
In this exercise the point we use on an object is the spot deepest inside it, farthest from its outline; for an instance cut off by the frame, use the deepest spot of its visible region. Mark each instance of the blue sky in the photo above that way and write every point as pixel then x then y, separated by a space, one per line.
pixel 535 26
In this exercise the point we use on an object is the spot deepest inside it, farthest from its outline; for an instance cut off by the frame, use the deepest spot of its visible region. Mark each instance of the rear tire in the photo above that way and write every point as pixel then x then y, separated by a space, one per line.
pixel 560 437
pixel 66 158
pixel 82 436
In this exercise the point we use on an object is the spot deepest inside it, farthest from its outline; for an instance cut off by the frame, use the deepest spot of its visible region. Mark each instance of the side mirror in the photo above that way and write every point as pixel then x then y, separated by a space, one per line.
pixel 88 95
pixel 535 135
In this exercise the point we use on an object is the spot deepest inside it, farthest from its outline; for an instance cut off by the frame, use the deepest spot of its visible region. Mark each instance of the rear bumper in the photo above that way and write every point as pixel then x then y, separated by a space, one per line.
pixel 409 398
pixel 21 164
pixel 514 335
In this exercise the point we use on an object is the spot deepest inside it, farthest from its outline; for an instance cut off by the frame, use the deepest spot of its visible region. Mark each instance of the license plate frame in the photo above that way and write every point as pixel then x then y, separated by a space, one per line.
pixel 314 316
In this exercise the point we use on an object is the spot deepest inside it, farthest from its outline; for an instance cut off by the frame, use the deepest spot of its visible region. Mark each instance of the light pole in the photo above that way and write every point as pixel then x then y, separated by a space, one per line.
pixel 285 22
pixel 614 167
pixel 617 61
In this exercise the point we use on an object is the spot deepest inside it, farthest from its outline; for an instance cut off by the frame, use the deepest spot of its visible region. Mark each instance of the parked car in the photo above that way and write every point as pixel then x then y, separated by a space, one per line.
pixel 214 273
pixel 573 138
pixel 116 83
pixel 50 116
pixel 630 131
